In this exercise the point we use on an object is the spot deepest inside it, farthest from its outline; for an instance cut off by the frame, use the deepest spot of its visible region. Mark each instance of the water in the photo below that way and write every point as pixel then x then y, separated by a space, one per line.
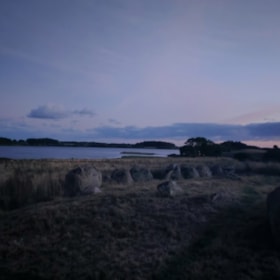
pixel 23 152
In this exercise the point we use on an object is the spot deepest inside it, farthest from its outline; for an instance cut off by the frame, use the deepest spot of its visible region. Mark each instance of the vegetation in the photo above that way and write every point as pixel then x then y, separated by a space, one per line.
pixel 194 147
pixel 52 142
pixel 200 146
pixel 215 229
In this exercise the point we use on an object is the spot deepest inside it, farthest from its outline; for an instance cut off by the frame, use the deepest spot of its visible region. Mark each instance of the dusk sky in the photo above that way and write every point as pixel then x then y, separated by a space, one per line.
pixel 127 70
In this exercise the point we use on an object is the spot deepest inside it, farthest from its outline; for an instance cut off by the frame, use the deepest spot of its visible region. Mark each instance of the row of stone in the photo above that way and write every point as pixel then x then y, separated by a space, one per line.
pixel 87 179
pixel 171 172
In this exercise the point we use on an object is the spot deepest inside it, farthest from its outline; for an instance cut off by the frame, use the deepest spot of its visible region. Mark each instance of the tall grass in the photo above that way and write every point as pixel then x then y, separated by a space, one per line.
pixel 24 182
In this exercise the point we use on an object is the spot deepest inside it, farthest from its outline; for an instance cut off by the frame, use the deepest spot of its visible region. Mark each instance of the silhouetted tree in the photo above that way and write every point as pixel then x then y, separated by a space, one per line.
pixel 5 141
pixel 200 146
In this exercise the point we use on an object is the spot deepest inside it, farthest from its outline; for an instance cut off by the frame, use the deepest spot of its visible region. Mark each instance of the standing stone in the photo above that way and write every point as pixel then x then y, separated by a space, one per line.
pixel 173 172
pixel 169 189
pixel 141 174
pixel 82 180
pixel 273 214
pixel 204 171
pixel 189 172
pixel 121 176
pixel 217 170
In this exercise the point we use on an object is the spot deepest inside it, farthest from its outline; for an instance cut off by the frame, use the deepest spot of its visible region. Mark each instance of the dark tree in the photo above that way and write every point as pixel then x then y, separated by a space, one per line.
pixel 42 142
pixel 5 141
pixel 200 146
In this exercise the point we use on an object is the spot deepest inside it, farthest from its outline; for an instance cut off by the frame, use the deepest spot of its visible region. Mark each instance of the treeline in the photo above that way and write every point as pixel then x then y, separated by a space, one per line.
pixel 194 147
pixel 200 146
pixel 53 142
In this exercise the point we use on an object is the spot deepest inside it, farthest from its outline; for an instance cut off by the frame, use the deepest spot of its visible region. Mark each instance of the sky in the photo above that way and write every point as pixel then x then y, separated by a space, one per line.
pixel 133 70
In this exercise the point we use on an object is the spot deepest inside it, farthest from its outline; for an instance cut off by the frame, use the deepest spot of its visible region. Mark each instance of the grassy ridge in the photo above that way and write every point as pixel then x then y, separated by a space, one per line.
pixel 216 229
pixel 24 182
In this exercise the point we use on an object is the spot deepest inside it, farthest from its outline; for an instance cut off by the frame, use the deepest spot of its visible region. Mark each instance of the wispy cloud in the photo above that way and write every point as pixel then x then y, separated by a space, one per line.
pixel 178 132
pixel 114 121
pixel 56 112
pixel 52 112
pixel 84 112
pixel 267 114
pixel 216 132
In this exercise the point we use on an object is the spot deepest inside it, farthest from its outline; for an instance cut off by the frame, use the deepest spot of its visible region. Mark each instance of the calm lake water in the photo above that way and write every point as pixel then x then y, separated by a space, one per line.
pixel 21 152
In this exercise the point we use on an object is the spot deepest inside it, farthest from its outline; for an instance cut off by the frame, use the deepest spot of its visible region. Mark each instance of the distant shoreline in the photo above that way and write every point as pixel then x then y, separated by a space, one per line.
pixel 48 142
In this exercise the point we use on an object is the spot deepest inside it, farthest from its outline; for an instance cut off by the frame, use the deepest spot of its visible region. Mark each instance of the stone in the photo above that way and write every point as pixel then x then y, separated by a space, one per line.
pixel 189 172
pixel 173 172
pixel 121 176
pixel 222 198
pixel 82 180
pixel 204 171
pixel 140 174
pixel 273 214
pixel 229 170
pixel 217 170
pixel 169 189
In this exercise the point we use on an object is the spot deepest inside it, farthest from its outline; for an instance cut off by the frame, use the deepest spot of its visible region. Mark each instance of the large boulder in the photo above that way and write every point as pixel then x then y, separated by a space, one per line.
pixel 217 170
pixel 169 189
pixel 229 170
pixel 189 172
pixel 173 172
pixel 121 176
pixel 222 198
pixel 141 174
pixel 82 180
pixel 273 214
pixel 204 171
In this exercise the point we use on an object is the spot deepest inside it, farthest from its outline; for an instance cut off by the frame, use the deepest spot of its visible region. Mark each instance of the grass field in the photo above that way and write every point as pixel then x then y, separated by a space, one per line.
pixel 215 229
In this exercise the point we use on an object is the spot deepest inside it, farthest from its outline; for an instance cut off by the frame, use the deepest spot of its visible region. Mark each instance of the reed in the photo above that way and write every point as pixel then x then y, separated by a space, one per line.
pixel 24 182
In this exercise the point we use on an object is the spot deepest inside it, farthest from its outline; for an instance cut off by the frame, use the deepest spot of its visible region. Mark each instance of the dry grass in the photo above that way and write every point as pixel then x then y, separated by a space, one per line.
pixel 236 245
pixel 24 182
pixel 216 229
pixel 112 236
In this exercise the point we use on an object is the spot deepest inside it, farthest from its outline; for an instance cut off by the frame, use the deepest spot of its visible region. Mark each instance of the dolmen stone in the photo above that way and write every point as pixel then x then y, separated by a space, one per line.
pixel 204 171
pixel 140 174
pixel 169 189
pixel 121 176
pixel 82 180
pixel 273 214
pixel 189 172
pixel 217 170
pixel 173 172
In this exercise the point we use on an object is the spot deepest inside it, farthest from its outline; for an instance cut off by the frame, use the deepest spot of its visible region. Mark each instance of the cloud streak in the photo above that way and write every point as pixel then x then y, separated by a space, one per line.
pixel 84 112
pixel 51 112
pixel 178 132
pixel 216 132
pixel 54 112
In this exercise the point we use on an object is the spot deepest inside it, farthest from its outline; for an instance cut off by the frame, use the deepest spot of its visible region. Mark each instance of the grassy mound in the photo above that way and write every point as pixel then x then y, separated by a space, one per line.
pixel 216 229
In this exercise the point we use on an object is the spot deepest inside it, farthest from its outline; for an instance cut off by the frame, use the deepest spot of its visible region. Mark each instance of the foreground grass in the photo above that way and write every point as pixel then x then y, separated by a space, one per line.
pixel 110 237
pixel 235 245
pixel 134 234
pixel 215 229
